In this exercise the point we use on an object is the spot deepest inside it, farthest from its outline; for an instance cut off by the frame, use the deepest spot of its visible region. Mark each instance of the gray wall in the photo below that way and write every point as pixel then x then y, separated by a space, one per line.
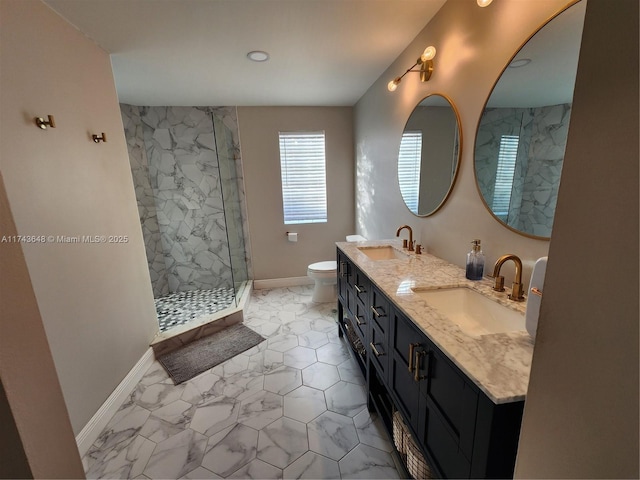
pixel 272 255
pixel 95 299
pixel 474 45
pixel 581 413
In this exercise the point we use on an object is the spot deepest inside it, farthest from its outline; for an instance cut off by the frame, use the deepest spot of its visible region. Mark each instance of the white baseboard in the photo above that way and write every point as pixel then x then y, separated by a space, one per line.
pixel 94 427
pixel 282 282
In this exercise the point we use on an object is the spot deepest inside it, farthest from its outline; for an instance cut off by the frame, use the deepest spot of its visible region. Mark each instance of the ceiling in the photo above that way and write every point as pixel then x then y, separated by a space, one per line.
pixel 193 52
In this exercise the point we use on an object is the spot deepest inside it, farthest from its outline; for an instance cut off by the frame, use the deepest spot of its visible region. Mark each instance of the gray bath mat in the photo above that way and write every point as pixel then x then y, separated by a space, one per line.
pixel 207 352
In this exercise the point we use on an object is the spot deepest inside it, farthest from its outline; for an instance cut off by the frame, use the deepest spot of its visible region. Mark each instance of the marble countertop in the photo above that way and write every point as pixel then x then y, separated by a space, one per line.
pixel 499 364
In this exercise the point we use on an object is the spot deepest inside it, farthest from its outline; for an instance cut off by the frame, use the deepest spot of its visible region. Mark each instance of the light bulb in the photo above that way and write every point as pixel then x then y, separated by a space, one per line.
pixel 428 53
pixel 484 3
pixel 393 84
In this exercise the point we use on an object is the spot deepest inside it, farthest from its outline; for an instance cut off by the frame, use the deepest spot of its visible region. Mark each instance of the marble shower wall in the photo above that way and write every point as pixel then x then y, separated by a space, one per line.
pixel 543 134
pixel 186 188
pixel 145 197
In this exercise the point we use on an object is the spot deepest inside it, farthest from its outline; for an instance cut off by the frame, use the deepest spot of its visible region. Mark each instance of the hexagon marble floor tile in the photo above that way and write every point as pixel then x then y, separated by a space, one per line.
pixel 293 406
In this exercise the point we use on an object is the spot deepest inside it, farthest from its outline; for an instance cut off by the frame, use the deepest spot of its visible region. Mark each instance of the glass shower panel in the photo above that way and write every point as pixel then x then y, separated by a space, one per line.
pixel 228 150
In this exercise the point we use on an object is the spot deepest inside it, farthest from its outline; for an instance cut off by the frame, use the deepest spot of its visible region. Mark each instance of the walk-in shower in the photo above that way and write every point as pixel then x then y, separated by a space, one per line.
pixel 187 174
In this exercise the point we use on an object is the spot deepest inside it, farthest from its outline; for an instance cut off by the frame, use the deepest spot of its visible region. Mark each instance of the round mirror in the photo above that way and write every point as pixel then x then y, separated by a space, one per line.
pixel 429 155
pixel 522 134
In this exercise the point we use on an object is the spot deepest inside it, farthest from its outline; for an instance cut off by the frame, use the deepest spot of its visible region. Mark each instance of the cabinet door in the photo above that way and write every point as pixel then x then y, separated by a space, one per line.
pixel 405 343
pixel 441 446
pixel 453 396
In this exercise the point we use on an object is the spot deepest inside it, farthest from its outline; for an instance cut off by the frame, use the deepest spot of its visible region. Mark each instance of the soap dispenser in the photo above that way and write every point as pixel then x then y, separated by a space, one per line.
pixel 475 262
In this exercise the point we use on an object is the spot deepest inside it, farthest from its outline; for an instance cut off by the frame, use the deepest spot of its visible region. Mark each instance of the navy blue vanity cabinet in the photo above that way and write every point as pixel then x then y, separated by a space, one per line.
pixel 418 370
pixel 460 430
pixel 406 343
pixel 379 331
pixel 448 406
pixel 344 270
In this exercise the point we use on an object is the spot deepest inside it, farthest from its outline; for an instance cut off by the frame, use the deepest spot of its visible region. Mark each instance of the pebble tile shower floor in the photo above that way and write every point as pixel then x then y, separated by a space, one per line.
pixel 292 407
pixel 179 308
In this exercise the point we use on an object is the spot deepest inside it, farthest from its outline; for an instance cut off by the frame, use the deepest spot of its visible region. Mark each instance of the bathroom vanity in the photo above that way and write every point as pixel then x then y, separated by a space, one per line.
pixel 460 387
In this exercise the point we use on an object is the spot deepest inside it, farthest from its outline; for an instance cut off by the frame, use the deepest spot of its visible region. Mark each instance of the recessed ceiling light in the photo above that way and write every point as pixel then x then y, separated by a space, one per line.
pixel 521 62
pixel 258 56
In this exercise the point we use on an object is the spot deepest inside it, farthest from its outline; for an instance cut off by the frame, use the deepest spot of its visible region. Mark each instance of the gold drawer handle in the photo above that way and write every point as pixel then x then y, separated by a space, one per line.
pixel 412 346
pixel 359 289
pixel 358 321
pixel 343 273
pixel 375 350
pixel 376 313
pixel 416 372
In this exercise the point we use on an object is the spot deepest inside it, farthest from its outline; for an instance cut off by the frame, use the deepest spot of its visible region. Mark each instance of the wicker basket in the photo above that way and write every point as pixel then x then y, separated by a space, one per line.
pixel 399 434
pixel 416 463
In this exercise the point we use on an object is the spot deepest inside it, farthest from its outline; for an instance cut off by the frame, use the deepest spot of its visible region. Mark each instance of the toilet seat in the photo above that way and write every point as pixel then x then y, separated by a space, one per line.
pixel 324 267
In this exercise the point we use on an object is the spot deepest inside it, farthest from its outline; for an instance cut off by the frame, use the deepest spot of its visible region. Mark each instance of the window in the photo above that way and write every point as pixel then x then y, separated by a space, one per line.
pixel 304 186
pixel 504 175
pixel 409 168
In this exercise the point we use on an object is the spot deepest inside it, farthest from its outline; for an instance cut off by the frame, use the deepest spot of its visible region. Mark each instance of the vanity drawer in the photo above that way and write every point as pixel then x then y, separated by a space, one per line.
pixel 360 285
pixel 378 353
pixel 361 321
pixel 379 310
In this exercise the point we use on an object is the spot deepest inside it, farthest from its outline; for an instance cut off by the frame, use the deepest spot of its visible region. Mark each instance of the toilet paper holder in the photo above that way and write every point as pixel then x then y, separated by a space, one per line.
pixel 292 236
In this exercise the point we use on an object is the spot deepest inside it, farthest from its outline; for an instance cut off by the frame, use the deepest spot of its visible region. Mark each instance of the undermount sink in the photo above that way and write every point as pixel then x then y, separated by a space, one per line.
pixel 384 252
pixel 475 314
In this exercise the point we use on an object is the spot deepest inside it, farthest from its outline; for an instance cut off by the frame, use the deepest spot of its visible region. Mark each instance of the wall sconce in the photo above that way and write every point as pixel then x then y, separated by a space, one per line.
pixel 426 68
pixel 43 124
pixel 484 3
pixel 98 139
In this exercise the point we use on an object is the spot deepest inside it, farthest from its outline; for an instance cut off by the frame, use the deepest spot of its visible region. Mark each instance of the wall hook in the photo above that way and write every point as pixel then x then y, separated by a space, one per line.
pixel 43 124
pixel 98 139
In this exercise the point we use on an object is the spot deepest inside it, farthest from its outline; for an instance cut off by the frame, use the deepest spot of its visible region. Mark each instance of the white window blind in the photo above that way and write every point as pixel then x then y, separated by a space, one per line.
pixel 409 161
pixel 504 175
pixel 302 167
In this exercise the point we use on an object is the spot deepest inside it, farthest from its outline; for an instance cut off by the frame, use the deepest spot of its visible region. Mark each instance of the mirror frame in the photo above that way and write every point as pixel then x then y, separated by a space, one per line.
pixel 459 156
pixel 475 174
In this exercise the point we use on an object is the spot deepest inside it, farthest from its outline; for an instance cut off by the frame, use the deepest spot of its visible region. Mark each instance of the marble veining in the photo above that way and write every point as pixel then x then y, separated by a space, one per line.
pixel 332 435
pixel 542 134
pixel 230 422
pixel 184 160
pixel 231 449
pixel 282 442
pixel 498 364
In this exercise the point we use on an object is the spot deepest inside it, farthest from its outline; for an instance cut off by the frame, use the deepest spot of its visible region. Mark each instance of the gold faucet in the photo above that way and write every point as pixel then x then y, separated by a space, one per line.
pixel 516 289
pixel 404 241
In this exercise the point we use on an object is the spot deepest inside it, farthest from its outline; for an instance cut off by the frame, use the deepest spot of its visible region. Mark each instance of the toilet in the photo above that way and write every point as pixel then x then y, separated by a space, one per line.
pixel 324 274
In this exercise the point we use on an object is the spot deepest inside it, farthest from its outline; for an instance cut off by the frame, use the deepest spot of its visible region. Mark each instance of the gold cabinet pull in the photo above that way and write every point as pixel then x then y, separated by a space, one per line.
pixel 359 289
pixel 377 313
pixel 416 372
pixel 412 346
pixel 343 272
pixel 375 350
pixel 358 321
